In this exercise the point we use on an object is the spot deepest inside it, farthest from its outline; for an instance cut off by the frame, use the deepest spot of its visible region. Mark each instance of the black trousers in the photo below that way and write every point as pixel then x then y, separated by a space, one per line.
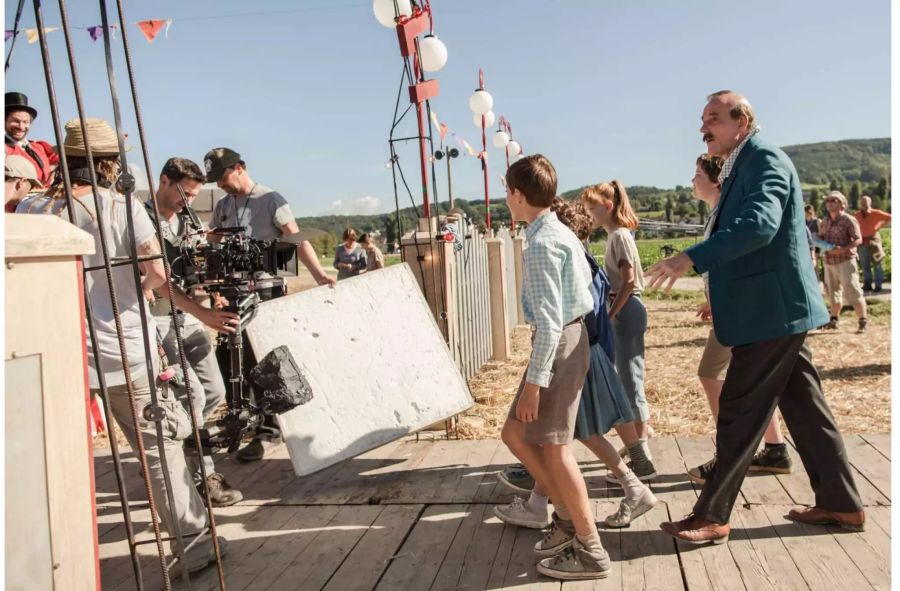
pixel 777 372
pixel 269 424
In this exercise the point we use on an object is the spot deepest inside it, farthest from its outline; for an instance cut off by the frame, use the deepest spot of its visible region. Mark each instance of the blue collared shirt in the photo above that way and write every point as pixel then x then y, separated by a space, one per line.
pixel 555 289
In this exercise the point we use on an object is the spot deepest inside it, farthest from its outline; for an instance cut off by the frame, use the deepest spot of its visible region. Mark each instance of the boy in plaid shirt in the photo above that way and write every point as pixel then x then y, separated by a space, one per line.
pixel 541 422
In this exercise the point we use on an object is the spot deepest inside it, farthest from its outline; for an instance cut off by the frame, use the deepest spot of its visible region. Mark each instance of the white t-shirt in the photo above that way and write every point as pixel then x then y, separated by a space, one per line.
pixel 620 246
pixel 128 296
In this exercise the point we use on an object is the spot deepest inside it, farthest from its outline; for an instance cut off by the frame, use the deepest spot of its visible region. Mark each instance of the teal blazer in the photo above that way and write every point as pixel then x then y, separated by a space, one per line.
pixel 761 279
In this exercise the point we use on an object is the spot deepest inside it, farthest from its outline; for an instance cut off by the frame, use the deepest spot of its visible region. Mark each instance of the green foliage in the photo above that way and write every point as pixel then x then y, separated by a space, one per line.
pixel 649 249
pixel 846 161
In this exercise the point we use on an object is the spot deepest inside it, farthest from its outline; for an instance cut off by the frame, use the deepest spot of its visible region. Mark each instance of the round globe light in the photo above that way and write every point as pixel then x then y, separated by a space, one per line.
pixel 514 157
pixel 501 138
pixel 384 11
pixel 481 102
pixel 434 53
pixel 513 148
pixel 488 119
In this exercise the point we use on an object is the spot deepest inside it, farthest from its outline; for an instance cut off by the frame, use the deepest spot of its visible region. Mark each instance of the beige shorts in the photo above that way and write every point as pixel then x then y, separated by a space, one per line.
pixel 558 405
pixel 843 277
pixel 715 359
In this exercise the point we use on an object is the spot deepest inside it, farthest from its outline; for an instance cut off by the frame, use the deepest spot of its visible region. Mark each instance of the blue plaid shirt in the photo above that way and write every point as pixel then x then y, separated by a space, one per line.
pixel 555 289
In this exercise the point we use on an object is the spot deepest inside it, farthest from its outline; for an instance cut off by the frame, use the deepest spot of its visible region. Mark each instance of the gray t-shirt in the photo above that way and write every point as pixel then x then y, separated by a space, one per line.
pixel 96 289
pixel 262 212
pixel 620 246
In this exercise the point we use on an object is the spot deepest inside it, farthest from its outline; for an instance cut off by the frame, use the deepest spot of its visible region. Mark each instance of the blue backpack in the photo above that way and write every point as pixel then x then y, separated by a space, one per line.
pixel 598 324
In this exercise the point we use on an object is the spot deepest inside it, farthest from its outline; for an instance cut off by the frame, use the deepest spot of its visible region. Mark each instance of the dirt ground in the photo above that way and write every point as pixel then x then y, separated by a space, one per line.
pixel 855 371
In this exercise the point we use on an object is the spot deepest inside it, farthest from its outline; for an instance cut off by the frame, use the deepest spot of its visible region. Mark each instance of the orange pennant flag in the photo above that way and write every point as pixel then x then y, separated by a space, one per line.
pixel 151 28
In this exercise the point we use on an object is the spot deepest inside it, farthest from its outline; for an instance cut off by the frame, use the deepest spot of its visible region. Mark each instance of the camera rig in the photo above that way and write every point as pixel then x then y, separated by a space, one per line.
pixel 244 271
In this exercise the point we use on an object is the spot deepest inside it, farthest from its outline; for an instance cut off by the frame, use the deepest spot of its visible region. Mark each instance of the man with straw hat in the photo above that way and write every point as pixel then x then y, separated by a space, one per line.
pixel 19 117
pixel 187 510
pixel 841 269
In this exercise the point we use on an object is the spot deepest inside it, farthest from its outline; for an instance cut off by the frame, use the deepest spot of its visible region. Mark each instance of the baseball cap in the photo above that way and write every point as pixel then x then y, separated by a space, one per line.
pixel 18 167
pixel 217 161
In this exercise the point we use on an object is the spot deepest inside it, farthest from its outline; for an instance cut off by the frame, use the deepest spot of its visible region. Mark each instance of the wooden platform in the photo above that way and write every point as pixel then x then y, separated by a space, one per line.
pixel 418 515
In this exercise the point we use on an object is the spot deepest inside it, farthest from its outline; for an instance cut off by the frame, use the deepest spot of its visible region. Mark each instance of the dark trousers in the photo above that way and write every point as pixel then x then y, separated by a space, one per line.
pixel 778 372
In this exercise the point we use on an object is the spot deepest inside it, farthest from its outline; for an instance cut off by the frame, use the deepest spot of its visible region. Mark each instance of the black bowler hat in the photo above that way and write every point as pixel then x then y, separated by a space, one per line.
pixel 16 101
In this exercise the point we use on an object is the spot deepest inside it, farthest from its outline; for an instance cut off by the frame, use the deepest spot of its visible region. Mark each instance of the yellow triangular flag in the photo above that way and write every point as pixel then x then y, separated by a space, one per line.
pixel 33 35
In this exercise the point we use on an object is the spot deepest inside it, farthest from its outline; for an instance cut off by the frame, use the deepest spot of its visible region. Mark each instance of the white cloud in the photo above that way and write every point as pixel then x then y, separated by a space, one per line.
pixel 367 205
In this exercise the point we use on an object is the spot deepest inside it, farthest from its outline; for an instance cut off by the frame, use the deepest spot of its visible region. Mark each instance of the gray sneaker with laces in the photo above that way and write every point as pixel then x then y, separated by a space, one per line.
pixel 576 563
pixel 631 509
pixel 518 512
pixel 557 538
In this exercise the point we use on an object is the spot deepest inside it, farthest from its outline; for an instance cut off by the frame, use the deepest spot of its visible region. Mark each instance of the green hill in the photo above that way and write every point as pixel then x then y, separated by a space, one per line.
pixel 856 167
pixel 843 162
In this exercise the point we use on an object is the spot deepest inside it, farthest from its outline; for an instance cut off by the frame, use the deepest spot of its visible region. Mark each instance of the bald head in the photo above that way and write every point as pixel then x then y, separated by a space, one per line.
pixel 737 104
pixel 727 119
pixel 865 203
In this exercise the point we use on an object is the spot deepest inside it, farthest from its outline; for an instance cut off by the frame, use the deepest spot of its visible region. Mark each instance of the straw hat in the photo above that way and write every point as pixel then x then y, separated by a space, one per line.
pixel 837 195
pixel 101 136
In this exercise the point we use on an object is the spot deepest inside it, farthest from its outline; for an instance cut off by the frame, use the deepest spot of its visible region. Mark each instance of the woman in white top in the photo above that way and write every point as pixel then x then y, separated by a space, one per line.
pixel 611 210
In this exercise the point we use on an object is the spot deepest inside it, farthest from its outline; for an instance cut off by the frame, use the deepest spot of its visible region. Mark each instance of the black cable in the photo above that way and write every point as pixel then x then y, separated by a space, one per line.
pixel 15 34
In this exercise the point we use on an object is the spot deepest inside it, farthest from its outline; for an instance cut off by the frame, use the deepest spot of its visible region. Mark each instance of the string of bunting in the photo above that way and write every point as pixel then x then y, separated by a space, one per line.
pixel 444 130
pixel 149 28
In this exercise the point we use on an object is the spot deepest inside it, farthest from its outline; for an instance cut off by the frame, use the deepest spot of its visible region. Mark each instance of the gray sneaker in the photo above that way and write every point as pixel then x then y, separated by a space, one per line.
pixel 557 538
pixel 517 479
pixel 576 563
pixel 644 470
pixel 520 513
pixel 629 510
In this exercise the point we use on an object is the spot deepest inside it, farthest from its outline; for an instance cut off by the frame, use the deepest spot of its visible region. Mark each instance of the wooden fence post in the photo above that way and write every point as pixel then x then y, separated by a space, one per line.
pixel 496 280
pixel 519 253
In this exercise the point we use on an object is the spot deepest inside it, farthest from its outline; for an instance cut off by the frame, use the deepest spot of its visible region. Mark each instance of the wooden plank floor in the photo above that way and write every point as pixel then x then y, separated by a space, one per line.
pixel 418 515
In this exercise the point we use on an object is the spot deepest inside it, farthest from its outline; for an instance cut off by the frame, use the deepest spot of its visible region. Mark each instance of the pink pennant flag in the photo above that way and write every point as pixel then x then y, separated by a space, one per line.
pixel 95 32
pixel 151 28
pixel 9 33
pixel 444 129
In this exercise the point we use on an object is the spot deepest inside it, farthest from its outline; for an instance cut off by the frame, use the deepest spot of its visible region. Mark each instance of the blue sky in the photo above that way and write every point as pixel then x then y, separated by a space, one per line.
pixel 305 90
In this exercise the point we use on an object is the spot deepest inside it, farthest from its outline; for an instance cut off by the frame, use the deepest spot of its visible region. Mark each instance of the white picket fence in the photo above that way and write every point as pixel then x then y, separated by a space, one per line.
pixel 470 331
pixel 509 276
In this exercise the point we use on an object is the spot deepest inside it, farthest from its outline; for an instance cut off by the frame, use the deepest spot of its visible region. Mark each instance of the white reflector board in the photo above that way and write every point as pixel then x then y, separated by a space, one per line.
pixel 376 361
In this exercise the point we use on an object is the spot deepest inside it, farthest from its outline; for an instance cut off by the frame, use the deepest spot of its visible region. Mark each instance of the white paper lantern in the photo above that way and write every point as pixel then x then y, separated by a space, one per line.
pixel 434 53
pixel 514 149
pixel 514 157
pixel 481 102
pixel 488 120
pixel 384 11
pixel 501 138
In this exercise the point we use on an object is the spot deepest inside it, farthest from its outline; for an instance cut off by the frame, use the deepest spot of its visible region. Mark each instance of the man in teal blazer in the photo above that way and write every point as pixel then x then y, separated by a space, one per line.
pixel 764 297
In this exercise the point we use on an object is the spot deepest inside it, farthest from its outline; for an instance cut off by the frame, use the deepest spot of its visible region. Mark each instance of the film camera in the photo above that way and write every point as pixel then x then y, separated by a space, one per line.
pixel 245 271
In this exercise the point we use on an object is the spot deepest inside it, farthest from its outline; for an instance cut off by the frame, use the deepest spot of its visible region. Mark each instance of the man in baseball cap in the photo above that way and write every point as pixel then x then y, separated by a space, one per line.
pixel 265 215
pixel 21 179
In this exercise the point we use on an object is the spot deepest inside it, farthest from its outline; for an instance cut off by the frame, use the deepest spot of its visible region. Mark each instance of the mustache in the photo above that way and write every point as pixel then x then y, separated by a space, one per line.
pixel 707 137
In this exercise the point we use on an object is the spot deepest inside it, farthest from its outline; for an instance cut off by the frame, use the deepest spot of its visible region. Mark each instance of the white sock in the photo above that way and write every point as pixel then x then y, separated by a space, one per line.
pixel 538 503
pixel 591 542
pixel 634 488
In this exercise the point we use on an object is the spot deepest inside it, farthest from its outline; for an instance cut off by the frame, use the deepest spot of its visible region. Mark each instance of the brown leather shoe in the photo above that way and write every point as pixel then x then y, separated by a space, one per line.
pixel 695 530
pixel 855 521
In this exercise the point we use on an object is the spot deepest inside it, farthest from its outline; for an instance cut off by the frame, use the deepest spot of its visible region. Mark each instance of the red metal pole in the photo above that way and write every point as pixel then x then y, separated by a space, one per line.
pixel 423 152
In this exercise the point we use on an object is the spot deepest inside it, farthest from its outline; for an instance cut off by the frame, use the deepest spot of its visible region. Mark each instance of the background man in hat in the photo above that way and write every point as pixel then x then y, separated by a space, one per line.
pixel 19 117
pixel 765 299
pixel 21 180
pixel 266 215
pixel 841 269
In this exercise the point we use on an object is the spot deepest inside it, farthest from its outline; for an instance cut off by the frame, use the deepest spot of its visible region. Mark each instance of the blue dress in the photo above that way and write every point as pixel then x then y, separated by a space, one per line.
pixel 604 403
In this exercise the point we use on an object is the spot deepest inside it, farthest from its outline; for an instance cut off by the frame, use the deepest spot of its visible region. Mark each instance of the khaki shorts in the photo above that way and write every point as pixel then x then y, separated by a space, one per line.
pixel 558 405
pixel 843 277
pixel 715 359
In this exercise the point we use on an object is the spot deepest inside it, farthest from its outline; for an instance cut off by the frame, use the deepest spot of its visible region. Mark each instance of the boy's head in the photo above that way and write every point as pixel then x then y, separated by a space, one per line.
pixel 534 178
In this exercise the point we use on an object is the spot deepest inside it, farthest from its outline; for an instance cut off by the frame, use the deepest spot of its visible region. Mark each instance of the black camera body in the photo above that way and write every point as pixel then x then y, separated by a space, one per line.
pixel 236 258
